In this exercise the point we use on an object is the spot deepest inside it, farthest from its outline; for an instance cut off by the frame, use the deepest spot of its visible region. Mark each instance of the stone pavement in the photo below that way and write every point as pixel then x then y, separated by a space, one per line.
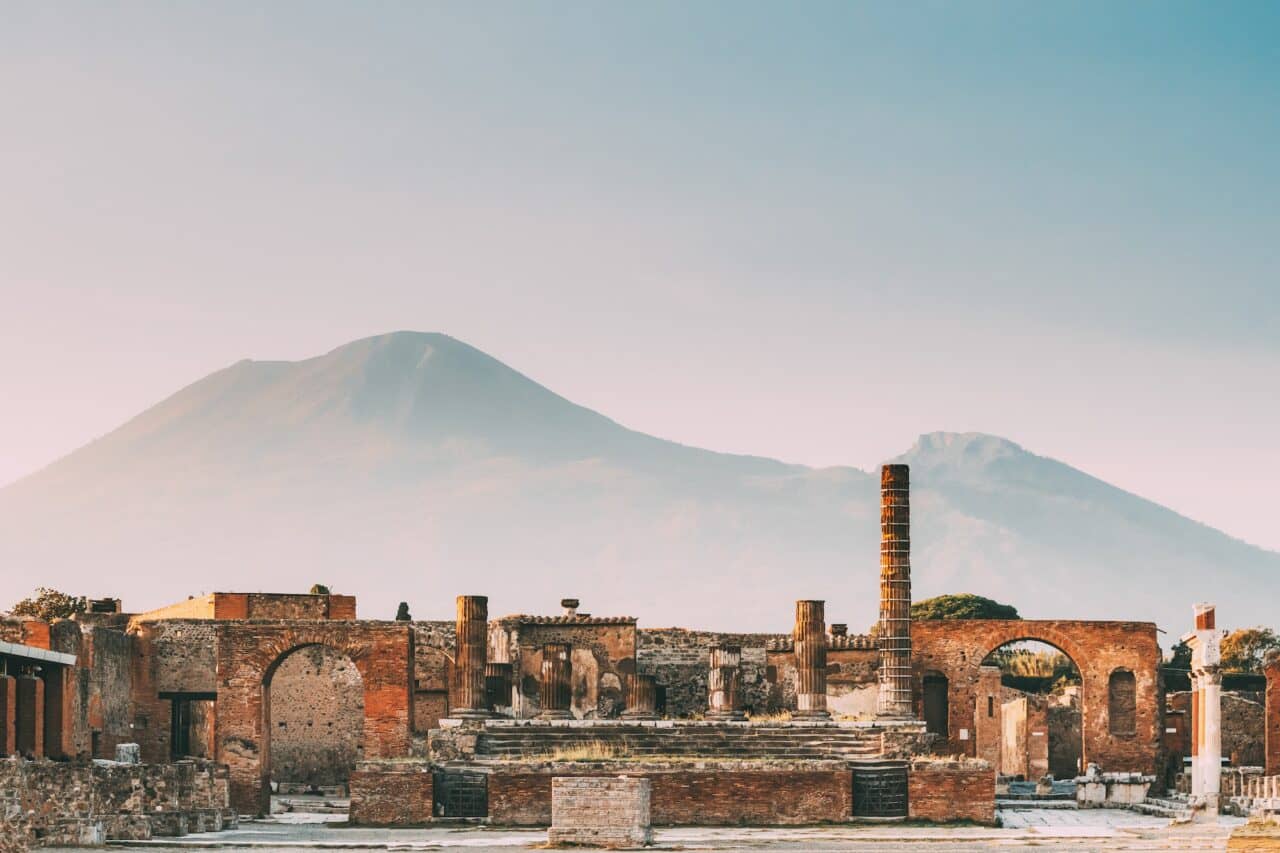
pixel 1088 830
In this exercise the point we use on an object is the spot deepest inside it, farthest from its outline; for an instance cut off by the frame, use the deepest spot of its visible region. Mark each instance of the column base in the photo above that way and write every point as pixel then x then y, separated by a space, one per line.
pixel 556 715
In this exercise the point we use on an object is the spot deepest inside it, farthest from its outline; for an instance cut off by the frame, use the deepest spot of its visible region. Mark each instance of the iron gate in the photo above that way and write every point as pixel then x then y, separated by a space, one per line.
pixel 460 793
pixel 880 790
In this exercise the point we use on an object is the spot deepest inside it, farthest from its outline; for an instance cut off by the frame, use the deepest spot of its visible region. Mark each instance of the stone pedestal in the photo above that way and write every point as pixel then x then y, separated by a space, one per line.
pixel 810 638
pixel 642 702
pixel 473 643
pixel 724 684
pixel 894 700
pixel 557 687
pixel 600 812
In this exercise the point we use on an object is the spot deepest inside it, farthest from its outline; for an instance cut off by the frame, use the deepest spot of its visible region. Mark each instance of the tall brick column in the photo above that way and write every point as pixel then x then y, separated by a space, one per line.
pixel 810 636
pixel 642 703
pixel 30 728
pixel 724 683
pixel 57 712
pixel 987 731
pixel 473 644
pixel 1272 717
pixel 557 686
pixel 894 700
pixel 8 711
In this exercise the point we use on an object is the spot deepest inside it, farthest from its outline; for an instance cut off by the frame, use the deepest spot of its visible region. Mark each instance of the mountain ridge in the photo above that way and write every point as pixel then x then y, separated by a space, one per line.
pixel 425 462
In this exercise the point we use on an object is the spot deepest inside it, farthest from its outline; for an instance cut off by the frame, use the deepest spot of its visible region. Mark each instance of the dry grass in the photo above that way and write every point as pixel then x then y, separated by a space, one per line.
pixel 779 717
pixel 592 750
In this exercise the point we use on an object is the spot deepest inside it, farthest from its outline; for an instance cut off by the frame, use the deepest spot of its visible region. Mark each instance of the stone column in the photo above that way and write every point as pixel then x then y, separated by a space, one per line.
pixel 1271 717
pixel 894 700
pixel 472 653
pixel 1211 745
pixel 1206 707
pixel 30 713
pixel 810 636
pixel 642 703
pixel 724 684
pixel 8 714
pixel 1193 733
pixel 557 685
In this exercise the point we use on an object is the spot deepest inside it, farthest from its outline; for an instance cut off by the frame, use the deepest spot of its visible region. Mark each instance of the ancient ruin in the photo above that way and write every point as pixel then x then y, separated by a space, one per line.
pixel 480 717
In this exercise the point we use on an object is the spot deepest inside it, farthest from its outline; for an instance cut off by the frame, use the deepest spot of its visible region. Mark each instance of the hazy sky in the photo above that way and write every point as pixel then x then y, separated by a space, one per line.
pixel 806 231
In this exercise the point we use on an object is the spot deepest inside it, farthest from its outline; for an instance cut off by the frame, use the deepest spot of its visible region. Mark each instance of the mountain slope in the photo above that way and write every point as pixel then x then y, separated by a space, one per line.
pixel 413 467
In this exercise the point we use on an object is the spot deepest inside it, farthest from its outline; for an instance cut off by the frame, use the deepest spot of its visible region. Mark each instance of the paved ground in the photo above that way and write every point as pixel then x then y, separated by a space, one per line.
pixel 1091 830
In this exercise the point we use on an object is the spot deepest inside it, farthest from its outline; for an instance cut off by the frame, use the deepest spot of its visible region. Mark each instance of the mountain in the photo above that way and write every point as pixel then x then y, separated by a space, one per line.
pixel 414 467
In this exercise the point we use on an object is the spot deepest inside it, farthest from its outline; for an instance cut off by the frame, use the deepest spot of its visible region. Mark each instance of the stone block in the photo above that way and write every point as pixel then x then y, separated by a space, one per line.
pixel 600 812
pixel 128 753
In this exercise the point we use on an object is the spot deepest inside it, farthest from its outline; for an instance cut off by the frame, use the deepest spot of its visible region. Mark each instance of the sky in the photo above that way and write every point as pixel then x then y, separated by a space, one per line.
pixel 807 231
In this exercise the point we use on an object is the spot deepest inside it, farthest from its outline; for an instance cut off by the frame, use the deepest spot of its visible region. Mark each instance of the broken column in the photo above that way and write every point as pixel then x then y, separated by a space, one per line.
pixel 556 687
pixel 810 637
pixel 1271 717
pixel 894 700
pixel 1206 710
pixel 724 683
pixel 473 645
pixel 642 703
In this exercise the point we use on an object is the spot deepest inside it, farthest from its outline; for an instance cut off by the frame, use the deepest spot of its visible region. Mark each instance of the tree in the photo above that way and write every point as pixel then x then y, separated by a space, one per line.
pixel 49 604
pixel 402 612
pixel 1245 649
pixel 319 589
pixel 962 606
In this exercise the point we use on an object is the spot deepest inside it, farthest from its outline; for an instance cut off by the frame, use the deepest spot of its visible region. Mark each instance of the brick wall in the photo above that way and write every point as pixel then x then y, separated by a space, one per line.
pixel 247 655
pixel 944 792
pixel 317 717
pixel 957 648
pixel 1272 718
pixel 600 812
pixel 391 794
pixel 709 797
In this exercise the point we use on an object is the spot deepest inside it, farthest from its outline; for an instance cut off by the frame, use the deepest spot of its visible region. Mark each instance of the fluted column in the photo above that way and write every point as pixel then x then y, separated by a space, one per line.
pixel 810 637
pixel 468 667
pixel 724 683
pixel 557 685
pixel 894 640
pixel 642 703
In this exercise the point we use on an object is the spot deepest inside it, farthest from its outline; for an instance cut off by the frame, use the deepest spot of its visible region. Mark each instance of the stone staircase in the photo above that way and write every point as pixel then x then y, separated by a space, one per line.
pixel 740 741
pixel 1171 807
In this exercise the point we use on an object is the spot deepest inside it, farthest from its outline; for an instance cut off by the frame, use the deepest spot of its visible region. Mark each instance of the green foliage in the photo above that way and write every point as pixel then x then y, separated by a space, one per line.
pixel 402 612
pixel 319 589
pixel 49 604
pixel 962 606
pixel 1042 670
pixel 1177 668
pixel 1245 649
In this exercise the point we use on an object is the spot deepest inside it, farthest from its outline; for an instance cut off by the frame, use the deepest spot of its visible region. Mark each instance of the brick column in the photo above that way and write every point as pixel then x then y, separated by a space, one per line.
pixel 987 733
pixel 1272 717
pixel 810 636
pixel 473 644
pixel 57 712
pixel 642 703
pixel 557 687
pixel 724 683
pixel 8 710
pixel 895 593
pixel 30 714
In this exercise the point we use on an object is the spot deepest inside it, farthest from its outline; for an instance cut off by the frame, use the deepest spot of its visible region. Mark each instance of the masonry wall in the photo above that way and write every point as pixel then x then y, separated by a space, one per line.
pixel 1272 717
pixel 692 797
pixel 945 792
pixel 956 648
pixel 1243 725
pixel 391 794
pixel 317 718
pixel 603 658
pixel 678 659
pixel 435 645
pixel 169 657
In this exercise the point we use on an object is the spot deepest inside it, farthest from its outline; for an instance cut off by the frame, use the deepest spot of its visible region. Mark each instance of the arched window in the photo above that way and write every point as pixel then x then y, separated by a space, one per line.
pixel 1122 702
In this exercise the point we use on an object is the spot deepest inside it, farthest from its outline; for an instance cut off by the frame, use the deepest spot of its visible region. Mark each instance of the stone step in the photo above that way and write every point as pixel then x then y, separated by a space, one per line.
pixel 1016 803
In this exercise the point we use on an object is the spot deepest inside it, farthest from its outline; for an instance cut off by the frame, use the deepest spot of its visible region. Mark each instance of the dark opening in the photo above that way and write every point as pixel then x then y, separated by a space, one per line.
pixel 935 704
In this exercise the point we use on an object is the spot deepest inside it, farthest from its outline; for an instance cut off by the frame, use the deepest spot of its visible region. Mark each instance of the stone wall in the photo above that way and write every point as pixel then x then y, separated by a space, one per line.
pixel 1243 725
pixel 956 648
pixel 1272 718
pixel 949 791
pixel 603 658
pixel 58 804
pixel 710 796
pixel 169 657
pixel 317 718
pixel 391 793
pixel 678 660
pixel 433 650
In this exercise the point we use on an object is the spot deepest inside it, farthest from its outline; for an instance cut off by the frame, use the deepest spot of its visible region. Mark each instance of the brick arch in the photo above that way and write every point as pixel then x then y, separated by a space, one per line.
pixel 956 648
pixel 248 653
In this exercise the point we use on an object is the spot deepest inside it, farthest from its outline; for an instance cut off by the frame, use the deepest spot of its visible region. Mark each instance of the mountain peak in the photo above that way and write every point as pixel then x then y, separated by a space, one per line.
pixel 960 449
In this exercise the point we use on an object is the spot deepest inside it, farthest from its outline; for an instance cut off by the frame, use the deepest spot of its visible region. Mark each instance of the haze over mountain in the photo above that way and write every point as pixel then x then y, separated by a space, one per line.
pixel 411 466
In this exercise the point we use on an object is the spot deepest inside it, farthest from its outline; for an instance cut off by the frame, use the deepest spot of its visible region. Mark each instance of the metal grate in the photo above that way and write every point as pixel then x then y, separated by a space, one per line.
pixel 460 794
pixel 880 790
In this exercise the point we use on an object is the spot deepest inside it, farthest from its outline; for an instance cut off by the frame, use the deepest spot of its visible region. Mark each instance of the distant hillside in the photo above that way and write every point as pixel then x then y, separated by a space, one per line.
pixel 413 467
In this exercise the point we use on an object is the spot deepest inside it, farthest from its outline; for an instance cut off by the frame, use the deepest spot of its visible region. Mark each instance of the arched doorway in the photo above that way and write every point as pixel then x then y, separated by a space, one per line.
pixel 935 708
pixel 313 720
pixel 1029 711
